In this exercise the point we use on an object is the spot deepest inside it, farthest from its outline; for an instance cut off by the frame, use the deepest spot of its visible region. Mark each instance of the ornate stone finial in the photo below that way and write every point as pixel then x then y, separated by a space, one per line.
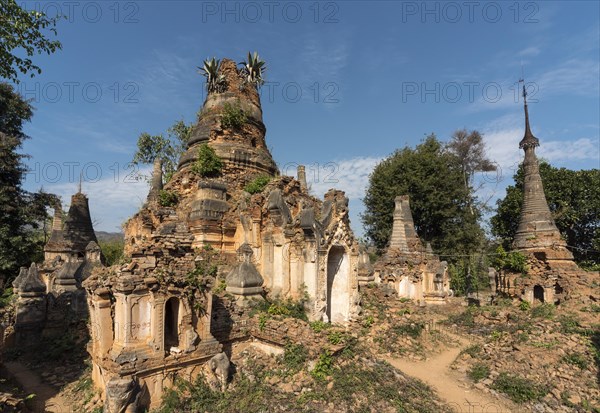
pixel 528 140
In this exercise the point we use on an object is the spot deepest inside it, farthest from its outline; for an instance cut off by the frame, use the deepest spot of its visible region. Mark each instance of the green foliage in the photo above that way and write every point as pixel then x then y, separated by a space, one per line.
pixel 465 319
pixel 574 200
pixel 368 321
pixel 23 31
pixel 257 184
pixel 576 359
pixel 6 297
pixel 323 368
pixel 517 388
pixel 253 69
pixel 444 210
pixel 543 311
pixel 511 261
pixel 208 163
pixel 214 81
pixel 168 148
pixel 294 357
pixel 205 270
pixel 413 330
pixel 318 326
pixel 524 306
pixel 337 337
pixel 112 251
pixel 233 117
pixel 478 372
pixel 167 198
pixel 23 216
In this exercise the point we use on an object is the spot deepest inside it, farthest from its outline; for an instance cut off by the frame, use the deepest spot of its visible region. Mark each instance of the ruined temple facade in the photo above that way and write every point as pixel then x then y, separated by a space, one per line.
pixel 552 275
pixel 164 314
pixel 409 267
pixel 50 295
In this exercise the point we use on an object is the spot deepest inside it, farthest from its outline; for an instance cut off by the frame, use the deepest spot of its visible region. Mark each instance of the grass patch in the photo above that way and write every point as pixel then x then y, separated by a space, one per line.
pixel 518 389
pixel 478 372
pixel 545 311
pixel 576 359
pixel 294 357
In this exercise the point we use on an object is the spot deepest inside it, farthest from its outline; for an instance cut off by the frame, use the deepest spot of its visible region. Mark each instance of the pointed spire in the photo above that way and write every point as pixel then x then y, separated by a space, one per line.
pixel 528 140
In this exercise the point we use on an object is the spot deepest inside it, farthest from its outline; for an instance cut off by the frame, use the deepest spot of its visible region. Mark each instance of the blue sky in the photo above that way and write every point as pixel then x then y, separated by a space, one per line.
pixel 349 82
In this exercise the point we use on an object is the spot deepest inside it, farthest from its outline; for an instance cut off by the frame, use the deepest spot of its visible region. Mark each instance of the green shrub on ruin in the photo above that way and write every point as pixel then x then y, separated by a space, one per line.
pixel 208 164
pixel 233 117
pixel 257 184
pixel 167 198
pixel 511 261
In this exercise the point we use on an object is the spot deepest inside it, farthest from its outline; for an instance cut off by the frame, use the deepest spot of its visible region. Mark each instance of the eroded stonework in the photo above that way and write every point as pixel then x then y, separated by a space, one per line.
pixel 409 267
pixel 50 296
pixel 158 316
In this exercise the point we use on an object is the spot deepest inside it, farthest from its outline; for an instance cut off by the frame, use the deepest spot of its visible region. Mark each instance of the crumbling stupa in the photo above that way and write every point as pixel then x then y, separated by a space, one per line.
pixel 552 275
pixel 409 267
pixel 50 296
pixel 158 316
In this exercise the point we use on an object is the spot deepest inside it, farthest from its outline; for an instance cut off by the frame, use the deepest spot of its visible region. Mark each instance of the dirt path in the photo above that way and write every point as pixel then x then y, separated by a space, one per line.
pixel 461 397
pixel 47 398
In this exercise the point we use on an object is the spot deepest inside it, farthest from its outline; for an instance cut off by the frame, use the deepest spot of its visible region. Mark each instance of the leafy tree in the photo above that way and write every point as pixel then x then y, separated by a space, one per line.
pixel 574 200
pixel 168 148
pixel 440 203
pixel 112 250
pixel 470 150
pixel 24 31
pixel 22 214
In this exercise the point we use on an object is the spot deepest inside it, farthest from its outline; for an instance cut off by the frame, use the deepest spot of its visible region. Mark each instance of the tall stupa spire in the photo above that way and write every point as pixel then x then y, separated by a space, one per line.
pixel 528 139
pixel 537 230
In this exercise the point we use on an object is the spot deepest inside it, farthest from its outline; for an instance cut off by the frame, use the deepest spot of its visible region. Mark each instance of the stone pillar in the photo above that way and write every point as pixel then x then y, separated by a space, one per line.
pixel 398 239
pixel 302 177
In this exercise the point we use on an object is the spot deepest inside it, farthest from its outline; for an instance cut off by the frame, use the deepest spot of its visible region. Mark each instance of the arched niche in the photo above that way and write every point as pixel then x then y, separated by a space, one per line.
pixel 338 284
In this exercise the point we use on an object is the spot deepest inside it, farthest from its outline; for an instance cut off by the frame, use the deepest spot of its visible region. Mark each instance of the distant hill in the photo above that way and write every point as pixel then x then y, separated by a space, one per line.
pixel 109 236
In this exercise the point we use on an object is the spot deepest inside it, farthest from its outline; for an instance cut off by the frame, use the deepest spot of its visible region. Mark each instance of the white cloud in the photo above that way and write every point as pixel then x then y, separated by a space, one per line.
pixel 348 175
pixel 529 51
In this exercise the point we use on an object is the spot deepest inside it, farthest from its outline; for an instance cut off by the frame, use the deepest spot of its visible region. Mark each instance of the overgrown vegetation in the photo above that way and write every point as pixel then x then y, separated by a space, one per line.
pixel 543 311
pixel 167 198
pixel 511 261
pixel 208 164
pixel 517 388
pixel 294 357
pixel 232 117
pixel 257 184
pixel 478 372
pixel 168 148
